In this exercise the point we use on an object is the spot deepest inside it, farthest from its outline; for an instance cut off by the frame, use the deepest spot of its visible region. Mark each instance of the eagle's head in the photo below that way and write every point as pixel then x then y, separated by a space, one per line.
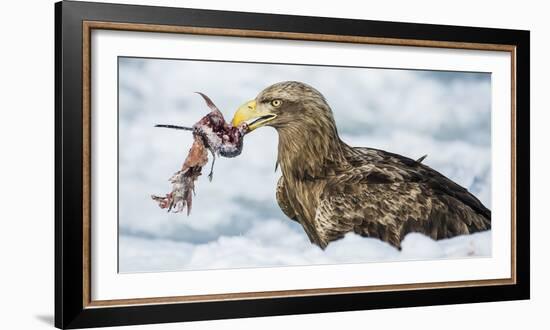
pixel 307 132
pixel 287 105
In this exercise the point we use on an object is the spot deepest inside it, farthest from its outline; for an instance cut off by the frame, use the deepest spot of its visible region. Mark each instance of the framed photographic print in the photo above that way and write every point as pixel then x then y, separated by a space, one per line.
pixel 218 164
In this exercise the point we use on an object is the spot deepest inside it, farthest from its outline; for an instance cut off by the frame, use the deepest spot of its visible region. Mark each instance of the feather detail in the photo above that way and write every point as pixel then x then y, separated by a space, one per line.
pixel 419 160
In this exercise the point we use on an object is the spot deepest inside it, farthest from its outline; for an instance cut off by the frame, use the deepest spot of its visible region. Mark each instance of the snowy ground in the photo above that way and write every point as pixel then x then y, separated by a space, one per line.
pixel 235 220
pixel 274 244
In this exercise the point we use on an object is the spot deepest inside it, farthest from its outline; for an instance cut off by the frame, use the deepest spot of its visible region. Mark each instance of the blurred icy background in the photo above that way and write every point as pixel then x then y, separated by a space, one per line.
pixel 235 221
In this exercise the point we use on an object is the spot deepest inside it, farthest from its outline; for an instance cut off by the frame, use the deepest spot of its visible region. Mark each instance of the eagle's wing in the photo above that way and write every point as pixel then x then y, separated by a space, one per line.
pixel 387 196
pixel 386 167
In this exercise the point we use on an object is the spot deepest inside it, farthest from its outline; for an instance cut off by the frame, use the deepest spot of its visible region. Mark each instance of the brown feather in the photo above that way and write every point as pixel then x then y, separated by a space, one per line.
pixel 331 188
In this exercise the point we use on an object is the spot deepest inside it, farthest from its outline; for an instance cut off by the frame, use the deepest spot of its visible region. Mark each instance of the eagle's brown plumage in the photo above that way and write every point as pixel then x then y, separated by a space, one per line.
pixel 331 188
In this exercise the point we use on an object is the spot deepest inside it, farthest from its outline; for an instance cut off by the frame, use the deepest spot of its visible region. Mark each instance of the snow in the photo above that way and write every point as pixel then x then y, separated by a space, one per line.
pixel 272 243
pixel 235 221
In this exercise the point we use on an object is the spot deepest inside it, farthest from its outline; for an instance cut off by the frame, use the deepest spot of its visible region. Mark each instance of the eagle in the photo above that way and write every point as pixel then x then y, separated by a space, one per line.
pixel 331 188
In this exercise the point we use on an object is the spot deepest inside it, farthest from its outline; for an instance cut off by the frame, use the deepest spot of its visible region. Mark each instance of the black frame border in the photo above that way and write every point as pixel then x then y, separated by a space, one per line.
pixel 69 308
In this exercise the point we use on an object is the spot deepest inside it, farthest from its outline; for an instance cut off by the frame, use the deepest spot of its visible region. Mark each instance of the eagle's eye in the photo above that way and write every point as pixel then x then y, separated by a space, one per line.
pixel 276 103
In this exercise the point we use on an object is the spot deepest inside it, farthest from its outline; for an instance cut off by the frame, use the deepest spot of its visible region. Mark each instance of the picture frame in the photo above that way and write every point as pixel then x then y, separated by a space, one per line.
pixel 75 22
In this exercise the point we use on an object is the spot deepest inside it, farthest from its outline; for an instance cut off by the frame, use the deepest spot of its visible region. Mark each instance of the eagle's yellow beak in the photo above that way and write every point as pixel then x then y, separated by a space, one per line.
pixel 249 113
